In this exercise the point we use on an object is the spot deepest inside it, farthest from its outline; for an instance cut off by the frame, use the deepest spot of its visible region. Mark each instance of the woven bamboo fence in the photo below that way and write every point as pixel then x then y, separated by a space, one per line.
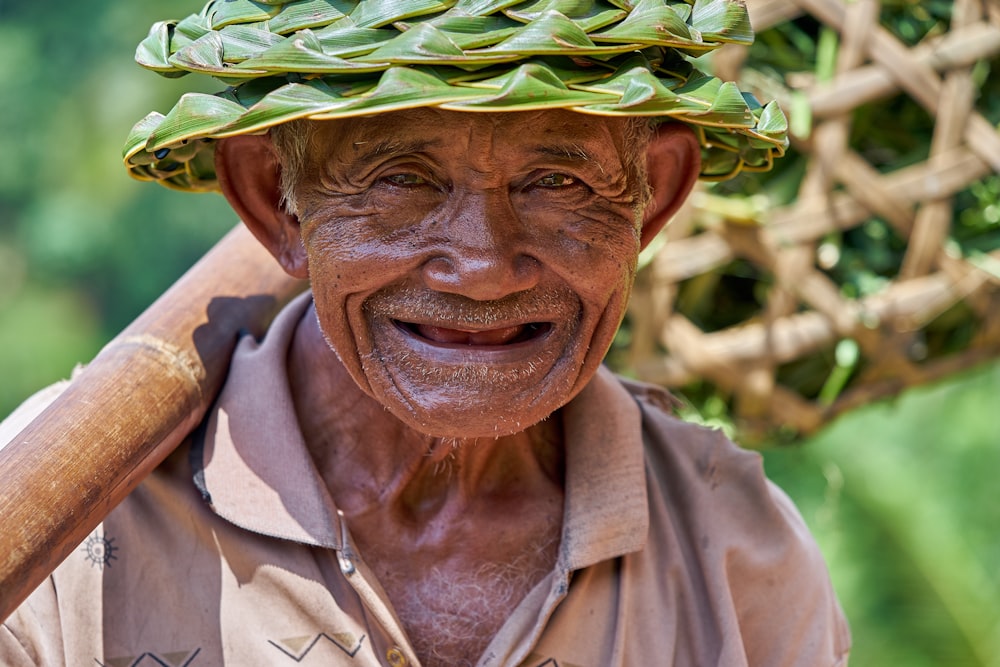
pixel 747 300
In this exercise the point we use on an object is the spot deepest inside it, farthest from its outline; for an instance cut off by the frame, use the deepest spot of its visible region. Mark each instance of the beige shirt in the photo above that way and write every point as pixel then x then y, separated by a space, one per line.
pixel 675 551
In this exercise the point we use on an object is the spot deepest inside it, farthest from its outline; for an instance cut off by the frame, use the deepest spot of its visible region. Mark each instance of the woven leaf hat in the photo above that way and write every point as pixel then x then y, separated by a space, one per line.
pixel 330 59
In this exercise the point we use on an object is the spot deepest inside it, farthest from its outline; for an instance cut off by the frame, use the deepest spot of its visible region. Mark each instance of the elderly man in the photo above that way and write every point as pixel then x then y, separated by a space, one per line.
pixel 424 462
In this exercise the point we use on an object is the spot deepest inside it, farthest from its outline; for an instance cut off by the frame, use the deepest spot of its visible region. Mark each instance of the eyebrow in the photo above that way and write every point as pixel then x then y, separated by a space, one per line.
pixel 365 151
pixel 574 154
pixel 563 152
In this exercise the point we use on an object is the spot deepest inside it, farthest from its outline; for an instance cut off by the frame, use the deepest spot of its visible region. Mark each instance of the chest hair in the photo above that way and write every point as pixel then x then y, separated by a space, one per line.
pixel 451 613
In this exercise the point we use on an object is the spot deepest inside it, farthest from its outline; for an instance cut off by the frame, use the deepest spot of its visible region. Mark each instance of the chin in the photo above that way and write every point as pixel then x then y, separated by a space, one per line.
pixel 480 410
pixel 469 427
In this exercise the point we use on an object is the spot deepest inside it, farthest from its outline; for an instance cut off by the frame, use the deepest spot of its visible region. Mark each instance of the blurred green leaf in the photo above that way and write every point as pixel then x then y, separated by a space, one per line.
pixel 909 528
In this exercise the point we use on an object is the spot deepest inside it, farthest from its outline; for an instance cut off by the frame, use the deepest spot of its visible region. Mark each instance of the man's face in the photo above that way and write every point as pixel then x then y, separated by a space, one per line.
pixel 470 270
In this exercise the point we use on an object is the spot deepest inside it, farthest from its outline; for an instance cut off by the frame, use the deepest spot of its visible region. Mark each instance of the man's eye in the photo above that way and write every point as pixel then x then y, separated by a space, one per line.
pixel 405 179
pixel 555 181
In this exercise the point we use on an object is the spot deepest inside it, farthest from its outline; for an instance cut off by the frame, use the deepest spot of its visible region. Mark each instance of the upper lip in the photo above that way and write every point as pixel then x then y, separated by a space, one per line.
pixel 465 326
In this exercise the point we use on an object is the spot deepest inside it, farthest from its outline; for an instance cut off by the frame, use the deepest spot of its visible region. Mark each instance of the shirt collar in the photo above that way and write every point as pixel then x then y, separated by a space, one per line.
pixel 606 511
pixel 257 472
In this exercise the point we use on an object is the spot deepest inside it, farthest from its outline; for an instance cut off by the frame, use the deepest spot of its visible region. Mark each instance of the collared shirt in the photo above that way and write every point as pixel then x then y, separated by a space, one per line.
pixel 675 551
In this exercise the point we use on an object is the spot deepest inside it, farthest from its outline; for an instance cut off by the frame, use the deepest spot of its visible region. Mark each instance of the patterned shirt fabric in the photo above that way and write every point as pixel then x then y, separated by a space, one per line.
pixel 675 551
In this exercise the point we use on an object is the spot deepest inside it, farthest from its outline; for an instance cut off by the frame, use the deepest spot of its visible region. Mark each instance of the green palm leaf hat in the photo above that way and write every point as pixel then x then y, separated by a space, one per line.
pixel 329 59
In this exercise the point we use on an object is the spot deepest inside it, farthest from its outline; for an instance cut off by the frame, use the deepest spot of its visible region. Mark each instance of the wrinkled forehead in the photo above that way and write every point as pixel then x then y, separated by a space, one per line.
pixel 483 134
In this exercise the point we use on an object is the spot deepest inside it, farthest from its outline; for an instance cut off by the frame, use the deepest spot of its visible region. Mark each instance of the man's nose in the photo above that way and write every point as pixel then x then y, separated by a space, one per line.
pixel 485 252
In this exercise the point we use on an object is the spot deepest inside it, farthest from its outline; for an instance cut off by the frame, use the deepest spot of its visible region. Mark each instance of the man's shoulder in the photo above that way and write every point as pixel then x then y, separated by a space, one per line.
pixel 171 480
pixel 710 488
pixel 679 444
pixel 743 534
pixel 28 410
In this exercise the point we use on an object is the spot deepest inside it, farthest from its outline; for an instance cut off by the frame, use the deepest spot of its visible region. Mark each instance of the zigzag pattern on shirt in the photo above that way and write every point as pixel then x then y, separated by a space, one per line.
pixel 341 640
pixel 175 659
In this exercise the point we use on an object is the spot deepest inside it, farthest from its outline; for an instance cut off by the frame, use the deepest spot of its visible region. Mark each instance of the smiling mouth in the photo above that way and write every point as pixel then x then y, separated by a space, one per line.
pixel 479 338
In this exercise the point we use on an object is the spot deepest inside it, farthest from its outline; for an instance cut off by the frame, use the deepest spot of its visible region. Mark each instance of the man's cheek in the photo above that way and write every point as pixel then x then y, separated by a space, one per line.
pixel 595 231
pixel 341 236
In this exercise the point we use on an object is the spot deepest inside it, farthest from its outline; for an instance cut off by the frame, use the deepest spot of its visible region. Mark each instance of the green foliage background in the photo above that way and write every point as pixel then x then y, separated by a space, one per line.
pixel 900 496
pixel 83 248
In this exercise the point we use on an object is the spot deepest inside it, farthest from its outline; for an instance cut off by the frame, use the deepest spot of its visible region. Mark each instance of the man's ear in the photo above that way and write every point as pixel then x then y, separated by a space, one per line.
pixel 673 162
pixel 249 176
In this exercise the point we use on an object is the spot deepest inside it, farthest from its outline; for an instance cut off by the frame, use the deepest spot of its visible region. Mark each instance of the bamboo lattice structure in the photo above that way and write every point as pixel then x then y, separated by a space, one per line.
pixel 789 253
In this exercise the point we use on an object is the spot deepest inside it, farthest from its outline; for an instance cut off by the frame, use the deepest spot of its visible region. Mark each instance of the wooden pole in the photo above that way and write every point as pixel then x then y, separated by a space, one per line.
pixel 131 406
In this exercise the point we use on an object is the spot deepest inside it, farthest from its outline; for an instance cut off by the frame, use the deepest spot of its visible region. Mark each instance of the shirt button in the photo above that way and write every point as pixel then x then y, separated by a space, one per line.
pixel 396 657
pixel 346 566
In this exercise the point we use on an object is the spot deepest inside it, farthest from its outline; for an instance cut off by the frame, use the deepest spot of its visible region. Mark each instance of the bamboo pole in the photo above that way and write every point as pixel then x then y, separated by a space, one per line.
pixel 132 405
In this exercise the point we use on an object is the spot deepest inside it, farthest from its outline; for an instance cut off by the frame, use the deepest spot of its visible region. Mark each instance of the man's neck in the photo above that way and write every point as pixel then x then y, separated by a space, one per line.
pixel 367 456
pixel 457 531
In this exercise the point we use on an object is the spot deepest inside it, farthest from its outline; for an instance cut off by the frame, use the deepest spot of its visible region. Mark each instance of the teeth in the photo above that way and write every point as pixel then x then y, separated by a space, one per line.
pixel 495 336
pixel 499 336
